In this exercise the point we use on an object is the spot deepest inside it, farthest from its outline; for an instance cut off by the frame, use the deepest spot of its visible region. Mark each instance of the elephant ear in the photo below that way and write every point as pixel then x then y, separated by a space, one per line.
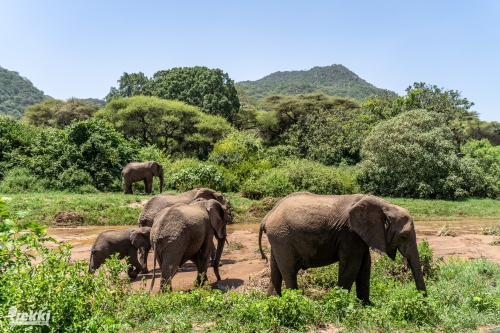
pixel 368 220
pixel 139 239
pixel 216 213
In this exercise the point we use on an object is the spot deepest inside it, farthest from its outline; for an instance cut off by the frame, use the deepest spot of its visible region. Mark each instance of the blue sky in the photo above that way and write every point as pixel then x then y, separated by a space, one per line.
pixel 80 48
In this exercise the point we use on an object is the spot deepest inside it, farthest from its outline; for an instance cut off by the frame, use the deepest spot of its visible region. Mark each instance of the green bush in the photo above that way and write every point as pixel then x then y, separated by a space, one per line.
pixel 241 153
pixel 488 163
pixel 301 175
pixel 203 175
pixel 73 180
pixel 77 301
pixel 22 180
pixel 413 155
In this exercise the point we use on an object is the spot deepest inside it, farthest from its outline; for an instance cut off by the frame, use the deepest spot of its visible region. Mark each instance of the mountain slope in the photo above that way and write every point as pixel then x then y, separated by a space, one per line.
pixel 335 80
pixel 16 93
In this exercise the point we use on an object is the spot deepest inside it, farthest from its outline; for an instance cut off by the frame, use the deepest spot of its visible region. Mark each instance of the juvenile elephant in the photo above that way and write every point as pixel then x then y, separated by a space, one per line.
pixel 307 230
pixel 161 201
pixel 142 171
pixel 185 232
pixel 125 243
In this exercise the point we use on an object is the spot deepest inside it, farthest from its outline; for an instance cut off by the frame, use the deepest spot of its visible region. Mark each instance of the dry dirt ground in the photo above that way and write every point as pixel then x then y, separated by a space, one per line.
pixel 241 260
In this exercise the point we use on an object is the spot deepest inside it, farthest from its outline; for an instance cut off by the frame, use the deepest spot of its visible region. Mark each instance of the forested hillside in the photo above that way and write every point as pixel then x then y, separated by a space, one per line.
pixel 335 80
pixel 16 93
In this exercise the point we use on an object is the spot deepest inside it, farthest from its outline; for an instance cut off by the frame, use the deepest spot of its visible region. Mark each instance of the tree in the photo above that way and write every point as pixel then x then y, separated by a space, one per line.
pixel 59 114
pixel 209 89
pixel 173 126
pixel 42 114
pixel 130 85
pixel 413 155
pixel 323 128
pixel 449 103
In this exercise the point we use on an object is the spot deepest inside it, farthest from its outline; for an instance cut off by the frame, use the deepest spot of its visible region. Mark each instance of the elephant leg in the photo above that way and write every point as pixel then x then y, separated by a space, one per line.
pixel 201 260
pixel 363 279
pixel 94 264
pixel 128 186
pixel 133 262
pixel 349 265
pixel 276 278
pixel 146 186
pixel 169 267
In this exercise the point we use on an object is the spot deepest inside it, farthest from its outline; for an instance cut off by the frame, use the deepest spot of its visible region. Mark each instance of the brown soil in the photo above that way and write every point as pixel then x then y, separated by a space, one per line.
pixel 244 270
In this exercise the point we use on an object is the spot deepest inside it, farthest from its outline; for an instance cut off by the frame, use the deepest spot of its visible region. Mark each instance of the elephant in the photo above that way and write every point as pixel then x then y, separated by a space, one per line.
pixel 306 230
pixel 125 243
pixel 185 232
pixel 161 201
pixel 137 171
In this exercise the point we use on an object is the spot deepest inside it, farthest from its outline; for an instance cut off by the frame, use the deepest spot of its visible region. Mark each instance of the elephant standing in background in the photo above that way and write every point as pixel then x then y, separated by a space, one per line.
pixel 125 243
pixel 185 232
pixel 307 230
pixel 161 201
pixel 137 171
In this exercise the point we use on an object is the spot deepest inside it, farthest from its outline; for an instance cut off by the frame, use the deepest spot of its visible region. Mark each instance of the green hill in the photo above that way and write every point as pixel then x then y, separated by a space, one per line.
pixel 335 80
pixel 16 93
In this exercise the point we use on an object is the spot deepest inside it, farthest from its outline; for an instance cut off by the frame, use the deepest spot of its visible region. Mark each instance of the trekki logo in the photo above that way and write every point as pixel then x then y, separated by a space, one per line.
pixel 32 318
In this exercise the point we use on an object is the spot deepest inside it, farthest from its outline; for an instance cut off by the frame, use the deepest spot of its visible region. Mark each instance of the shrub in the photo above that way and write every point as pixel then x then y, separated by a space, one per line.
pixel 203 175
pixel 488 163
pixel 241 153
pixel 22 180
pixel 301 175
pixel 73 179
pixel 412 155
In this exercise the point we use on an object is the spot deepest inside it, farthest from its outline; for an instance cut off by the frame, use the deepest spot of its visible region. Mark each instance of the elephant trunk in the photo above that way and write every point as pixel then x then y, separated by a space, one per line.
pixel 218 255
pixel 410 252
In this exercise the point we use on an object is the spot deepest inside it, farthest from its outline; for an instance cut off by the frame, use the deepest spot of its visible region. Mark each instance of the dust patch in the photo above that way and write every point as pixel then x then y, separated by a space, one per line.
pixel 138 204
pixel 68 219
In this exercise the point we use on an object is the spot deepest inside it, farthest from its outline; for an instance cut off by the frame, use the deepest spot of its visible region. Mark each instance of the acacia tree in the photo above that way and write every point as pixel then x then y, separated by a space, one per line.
pixel 59 114
pixel 173 126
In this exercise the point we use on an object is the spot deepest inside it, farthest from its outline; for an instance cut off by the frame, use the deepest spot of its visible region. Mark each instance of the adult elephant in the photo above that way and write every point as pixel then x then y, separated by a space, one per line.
pixel 307 230
pixel 161 201
pixel 125 243
pixel 185 232
pixel 142 171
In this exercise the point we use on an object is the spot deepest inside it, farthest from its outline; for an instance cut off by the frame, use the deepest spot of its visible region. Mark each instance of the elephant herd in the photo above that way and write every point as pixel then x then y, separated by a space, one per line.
pixel 305 231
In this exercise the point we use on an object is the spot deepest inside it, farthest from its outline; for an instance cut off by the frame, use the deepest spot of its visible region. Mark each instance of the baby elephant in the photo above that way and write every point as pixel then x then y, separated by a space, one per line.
pixel 123 242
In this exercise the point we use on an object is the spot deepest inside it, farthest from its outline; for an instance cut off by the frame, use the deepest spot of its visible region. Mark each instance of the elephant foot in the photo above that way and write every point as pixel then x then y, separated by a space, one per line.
pixel 367 303
pixel 132 275
pixel 145 271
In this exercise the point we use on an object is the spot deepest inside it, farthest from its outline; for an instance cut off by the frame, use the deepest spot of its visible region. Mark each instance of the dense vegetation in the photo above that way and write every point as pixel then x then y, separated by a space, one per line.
pixel 461 295
pixel 426 144
pixel 16 93
pixel 335 80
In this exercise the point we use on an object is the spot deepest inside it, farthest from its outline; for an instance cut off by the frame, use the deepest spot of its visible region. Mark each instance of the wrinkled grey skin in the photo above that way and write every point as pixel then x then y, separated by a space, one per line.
pixel 185 232
pixel 125 243
pixel 161 201
pixel 142 171
pixel 307 230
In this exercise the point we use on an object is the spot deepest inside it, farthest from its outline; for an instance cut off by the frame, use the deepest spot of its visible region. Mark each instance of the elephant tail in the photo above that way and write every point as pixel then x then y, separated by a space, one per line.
pixel 154 267
pixel 261 230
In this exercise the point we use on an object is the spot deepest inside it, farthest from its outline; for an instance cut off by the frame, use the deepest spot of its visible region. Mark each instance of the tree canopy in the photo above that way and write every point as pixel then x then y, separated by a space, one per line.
pixel 209 89
pixel 413 155
pixel 56 113
pixel 173 126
